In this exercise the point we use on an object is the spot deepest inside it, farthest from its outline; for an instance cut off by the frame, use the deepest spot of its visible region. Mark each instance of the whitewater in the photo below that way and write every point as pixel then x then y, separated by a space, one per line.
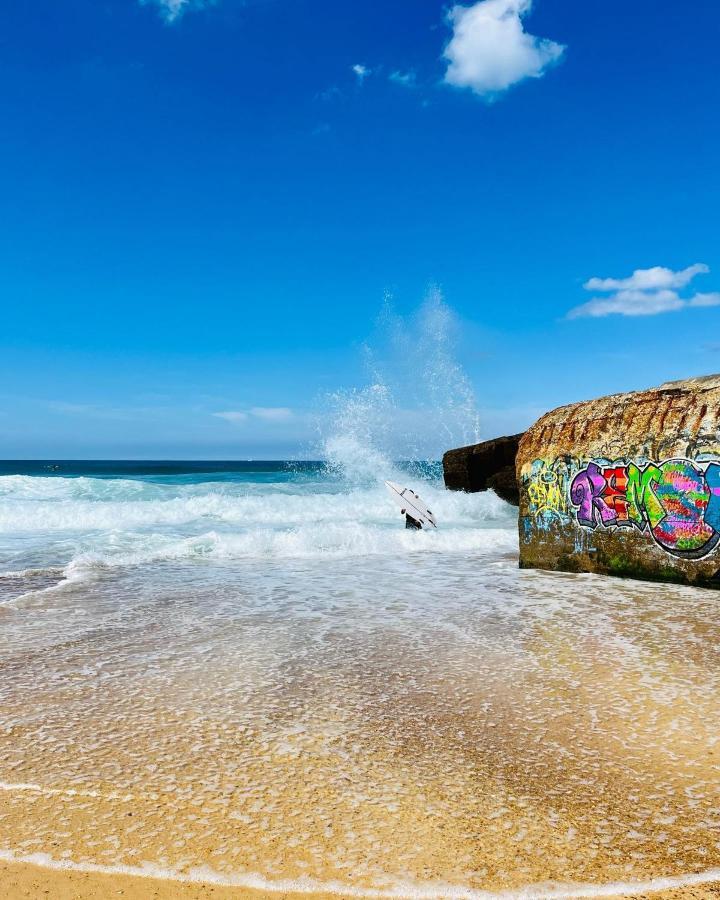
pixel 82 525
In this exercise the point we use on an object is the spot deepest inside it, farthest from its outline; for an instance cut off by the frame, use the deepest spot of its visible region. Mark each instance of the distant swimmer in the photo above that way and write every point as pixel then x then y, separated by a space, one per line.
pixel 417 515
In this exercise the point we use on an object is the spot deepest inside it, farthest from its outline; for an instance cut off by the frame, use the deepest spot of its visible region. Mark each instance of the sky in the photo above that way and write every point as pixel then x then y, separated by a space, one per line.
pixel 204 204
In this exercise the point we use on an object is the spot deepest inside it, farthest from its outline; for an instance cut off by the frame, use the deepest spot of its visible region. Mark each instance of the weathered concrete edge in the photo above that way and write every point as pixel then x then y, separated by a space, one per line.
pixel 489 465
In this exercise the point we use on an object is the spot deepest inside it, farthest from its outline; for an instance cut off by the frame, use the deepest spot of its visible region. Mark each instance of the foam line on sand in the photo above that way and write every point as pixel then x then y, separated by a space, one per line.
pixel 434 891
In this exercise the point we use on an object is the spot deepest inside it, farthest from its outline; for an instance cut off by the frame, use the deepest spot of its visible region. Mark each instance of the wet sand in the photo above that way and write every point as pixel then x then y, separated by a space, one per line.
pixel 557 734
pixel 27 881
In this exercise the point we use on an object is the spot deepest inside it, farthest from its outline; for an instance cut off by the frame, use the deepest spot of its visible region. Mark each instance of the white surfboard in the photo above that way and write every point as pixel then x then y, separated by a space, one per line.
pixel 410 503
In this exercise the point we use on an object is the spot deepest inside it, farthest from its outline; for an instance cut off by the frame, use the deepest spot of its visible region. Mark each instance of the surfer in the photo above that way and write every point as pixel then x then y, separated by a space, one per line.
pixel 417 515
pixel 410 522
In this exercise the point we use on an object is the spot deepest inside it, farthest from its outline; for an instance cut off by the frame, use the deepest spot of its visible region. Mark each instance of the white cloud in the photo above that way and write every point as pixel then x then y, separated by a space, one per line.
pixel 490 49
pixel 232 416
pixel 646 292
pixel 361 72
pixel 629 303
pixel 712 299
pixel 171 10
pixel 272 413
pixel 654 279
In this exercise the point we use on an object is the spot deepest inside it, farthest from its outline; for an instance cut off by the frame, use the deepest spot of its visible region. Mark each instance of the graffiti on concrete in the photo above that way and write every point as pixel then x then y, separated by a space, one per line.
pixel 548 490
pixel 677 501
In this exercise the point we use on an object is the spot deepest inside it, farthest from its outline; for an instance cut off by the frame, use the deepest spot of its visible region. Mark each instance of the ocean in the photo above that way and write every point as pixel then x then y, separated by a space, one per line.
pixel 252 674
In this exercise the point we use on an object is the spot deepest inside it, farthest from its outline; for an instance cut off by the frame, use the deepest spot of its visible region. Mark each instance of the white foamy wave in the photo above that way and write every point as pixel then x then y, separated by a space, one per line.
pixel 332 541
pixel 311 542
pixel 357 462
pixel 93 525
pixel 34 487
pixel 107 507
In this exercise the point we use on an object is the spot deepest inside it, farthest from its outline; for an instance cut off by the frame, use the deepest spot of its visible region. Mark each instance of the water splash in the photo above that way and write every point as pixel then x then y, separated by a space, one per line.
pixel 359 433
pixel 418 401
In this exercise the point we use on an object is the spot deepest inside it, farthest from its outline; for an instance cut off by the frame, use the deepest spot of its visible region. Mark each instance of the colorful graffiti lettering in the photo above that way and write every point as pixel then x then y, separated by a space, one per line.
pixel 677 501
pixel 547 490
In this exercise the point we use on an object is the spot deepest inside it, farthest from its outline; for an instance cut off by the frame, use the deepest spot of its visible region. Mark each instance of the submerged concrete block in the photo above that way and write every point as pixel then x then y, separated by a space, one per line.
pixel 626 485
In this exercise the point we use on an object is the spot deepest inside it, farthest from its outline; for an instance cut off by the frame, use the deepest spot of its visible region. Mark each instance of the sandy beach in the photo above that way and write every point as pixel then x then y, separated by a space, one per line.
pixel 391 753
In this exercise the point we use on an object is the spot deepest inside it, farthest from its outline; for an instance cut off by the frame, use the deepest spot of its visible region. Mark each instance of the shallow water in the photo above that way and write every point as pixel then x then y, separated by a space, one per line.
pixel 263 678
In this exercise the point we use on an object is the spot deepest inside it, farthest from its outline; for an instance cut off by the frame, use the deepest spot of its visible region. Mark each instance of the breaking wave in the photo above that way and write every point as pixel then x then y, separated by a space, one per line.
pixel 81 526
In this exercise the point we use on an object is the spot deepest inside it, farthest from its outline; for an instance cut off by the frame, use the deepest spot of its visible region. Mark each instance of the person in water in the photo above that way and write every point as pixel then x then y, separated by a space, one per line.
pixel 410 522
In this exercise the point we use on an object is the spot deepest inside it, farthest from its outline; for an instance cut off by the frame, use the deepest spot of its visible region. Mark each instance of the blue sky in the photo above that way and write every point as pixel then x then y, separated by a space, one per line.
pixel 203 206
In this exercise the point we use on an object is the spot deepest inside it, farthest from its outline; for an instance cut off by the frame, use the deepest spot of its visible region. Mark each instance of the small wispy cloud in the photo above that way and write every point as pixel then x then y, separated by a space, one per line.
pixel 490 50
pixel 172 10
pixel 272 414
pixel 98 411
pixel 232 416
pixel 329 94
pixel 361 72
pixel 72 409
pixel 647 292
pixel 405 79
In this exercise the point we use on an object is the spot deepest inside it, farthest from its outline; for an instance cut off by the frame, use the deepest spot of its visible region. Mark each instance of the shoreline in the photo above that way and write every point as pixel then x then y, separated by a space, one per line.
pixel 67 881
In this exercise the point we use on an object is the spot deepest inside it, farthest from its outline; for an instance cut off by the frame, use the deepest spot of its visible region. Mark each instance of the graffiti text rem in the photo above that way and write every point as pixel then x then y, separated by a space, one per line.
pixel 676 501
